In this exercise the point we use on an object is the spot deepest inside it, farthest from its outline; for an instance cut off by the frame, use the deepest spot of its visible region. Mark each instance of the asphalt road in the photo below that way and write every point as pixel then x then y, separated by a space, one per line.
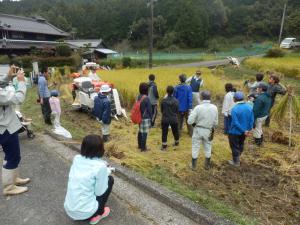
pixel 47 163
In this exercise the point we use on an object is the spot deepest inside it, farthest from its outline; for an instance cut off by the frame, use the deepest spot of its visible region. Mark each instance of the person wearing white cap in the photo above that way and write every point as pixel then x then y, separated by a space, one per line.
pixel 102 110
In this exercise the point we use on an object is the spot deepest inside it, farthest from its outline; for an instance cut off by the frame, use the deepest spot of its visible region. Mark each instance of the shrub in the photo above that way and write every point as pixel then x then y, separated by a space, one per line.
pixel 126 62
pixel 108 63
pixel 275 53
pixel 63 50
pixel 4 59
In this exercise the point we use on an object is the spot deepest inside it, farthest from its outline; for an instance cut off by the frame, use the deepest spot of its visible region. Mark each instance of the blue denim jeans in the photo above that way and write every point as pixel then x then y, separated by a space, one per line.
pixel 11 148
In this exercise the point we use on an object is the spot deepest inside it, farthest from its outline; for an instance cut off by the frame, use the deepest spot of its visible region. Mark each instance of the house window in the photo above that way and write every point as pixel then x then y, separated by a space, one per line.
pixel 17 35
pixel 40 37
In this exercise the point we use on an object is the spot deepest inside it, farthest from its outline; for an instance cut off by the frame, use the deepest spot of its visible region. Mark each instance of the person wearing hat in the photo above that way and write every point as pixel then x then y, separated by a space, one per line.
pixel 183 93
pixel 9 127
pixel 55 107
pixel 93 74
pixel 261 107
pixel 102 110
pixel 195 82
pixel 204 119
pixel 242 119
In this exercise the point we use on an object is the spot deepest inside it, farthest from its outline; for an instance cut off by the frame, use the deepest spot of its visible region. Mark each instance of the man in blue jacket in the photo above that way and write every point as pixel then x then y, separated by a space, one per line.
pixel 183 93
pixel 261 109
pixel 242 119
pixel 102 110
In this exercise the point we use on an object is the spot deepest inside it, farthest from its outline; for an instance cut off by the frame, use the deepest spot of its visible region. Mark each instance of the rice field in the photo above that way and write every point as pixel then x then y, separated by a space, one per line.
pixel 289 66
pixel 127 80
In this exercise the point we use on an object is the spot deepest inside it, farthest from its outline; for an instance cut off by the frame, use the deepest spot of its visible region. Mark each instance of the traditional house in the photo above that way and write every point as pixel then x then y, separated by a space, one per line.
pixel 18 35
pixel 93 48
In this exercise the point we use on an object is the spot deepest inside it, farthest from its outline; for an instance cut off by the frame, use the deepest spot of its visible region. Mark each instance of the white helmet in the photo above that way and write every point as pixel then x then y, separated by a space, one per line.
pixel 105 88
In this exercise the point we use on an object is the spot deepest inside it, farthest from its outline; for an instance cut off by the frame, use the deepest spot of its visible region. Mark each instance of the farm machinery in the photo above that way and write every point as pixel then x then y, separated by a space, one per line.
pixel 84 91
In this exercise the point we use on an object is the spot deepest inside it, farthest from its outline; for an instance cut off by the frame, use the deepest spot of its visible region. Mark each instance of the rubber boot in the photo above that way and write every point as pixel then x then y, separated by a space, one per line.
pixel 257 141
pixel 176 143
pixel 106 138
pixel 207 164
pixel 144 142
pixel 19 180
pixel 139 140
pixel 9 182
pixel 193 164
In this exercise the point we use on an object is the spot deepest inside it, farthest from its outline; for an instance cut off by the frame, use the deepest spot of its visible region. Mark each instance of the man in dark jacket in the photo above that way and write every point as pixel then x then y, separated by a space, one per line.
pixel 153 97
pixel 169 110
pixel 261 108
pixel 274 88
pixel 102 110
pixel 146 112
pixel 183 93
pixel 195 82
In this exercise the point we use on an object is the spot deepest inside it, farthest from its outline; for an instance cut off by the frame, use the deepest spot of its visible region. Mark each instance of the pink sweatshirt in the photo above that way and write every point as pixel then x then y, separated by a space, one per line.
pixel 55 105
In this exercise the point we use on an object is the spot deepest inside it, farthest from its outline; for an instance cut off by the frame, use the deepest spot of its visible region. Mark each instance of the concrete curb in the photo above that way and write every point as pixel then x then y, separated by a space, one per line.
pixel 170 198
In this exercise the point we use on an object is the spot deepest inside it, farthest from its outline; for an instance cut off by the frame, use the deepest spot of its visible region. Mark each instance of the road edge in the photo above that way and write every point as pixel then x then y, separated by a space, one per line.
pixel 180 203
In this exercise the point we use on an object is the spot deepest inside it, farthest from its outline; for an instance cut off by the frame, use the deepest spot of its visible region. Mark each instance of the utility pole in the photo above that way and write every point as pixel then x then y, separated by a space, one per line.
pixel 151 34
pixel 282 22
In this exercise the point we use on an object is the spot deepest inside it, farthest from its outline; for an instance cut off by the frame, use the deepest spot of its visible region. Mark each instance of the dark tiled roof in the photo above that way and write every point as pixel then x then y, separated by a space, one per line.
pixel 32 25
pixel 26 44
pixel 80 43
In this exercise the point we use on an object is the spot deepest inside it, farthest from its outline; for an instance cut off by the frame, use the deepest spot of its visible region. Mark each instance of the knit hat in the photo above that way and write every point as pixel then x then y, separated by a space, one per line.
pixel 54 93
pixel 239 96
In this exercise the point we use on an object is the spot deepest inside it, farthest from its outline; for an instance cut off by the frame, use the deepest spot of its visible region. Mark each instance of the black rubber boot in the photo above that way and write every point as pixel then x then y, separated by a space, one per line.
pixel 207 164
pixel 194 164
pixel 105 138
pixel 257 141
pixel 139 140
pixel 164 147
pixel 144 142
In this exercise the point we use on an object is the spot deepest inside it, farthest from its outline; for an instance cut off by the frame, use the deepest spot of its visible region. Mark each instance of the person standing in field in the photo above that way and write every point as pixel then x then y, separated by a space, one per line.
pixel 228 103
pixel 102 111
pixel 146 114
pixel 169 109
pixel 195 82
pixel 274 88
pixel 242 119
pixel 204 119
pixel 44 95
pixel 153 97
pixel 183 93
pixel 253 86
pixel 55 108
pixel 261 107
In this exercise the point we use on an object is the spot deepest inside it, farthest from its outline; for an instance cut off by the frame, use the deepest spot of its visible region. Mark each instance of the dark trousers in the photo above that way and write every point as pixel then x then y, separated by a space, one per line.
pixel 11 148
pixel 103 198
pixel 142 140
pixel 236 143
pixel 154 114
pixel 227 122
pixel 46 110
pixel 165 129
pixel 181 117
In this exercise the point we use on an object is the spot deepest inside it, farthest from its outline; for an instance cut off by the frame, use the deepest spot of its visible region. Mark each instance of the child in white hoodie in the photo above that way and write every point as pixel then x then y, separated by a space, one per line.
pixel 55 107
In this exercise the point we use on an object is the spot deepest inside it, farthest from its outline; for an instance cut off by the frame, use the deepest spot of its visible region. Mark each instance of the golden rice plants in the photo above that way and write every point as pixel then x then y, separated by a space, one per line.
pixel 127 80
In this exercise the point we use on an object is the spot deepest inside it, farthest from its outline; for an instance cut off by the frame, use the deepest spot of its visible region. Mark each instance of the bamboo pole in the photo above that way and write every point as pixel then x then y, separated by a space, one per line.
pixel 291 121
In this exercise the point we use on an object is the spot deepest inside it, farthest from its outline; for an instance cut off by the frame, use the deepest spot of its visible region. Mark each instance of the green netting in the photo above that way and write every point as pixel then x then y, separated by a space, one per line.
pixel 255 49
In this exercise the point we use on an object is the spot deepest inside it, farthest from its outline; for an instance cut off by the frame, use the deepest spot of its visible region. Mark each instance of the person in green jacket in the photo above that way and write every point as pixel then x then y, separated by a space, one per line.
pixel 261 108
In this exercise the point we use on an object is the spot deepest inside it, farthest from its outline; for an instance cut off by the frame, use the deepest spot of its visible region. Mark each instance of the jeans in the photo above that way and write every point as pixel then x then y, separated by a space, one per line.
pixel 46 110
pixel 165 130
pixel 11 148
pixel 103 198
pixel 227 122
pixel 236 143
pixel 154 114
pixel 142 141
pixel 181 117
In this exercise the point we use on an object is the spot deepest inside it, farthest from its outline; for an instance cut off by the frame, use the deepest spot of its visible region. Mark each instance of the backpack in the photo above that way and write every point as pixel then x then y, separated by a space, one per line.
pixel 136 115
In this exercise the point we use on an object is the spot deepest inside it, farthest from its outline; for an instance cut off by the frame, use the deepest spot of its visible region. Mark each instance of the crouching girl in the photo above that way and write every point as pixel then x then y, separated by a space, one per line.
pixel 90 183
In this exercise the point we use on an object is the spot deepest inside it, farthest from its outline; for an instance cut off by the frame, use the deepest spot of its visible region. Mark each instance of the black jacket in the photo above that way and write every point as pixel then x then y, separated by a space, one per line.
pixel 145 107
pixel 169 109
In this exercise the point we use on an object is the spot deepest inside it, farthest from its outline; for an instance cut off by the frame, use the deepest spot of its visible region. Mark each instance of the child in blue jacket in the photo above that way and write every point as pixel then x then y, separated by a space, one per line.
pixel 102 110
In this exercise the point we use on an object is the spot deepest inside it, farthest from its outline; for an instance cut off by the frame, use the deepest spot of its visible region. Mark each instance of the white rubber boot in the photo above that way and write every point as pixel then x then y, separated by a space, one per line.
pixel 19 180
pixel 9 180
